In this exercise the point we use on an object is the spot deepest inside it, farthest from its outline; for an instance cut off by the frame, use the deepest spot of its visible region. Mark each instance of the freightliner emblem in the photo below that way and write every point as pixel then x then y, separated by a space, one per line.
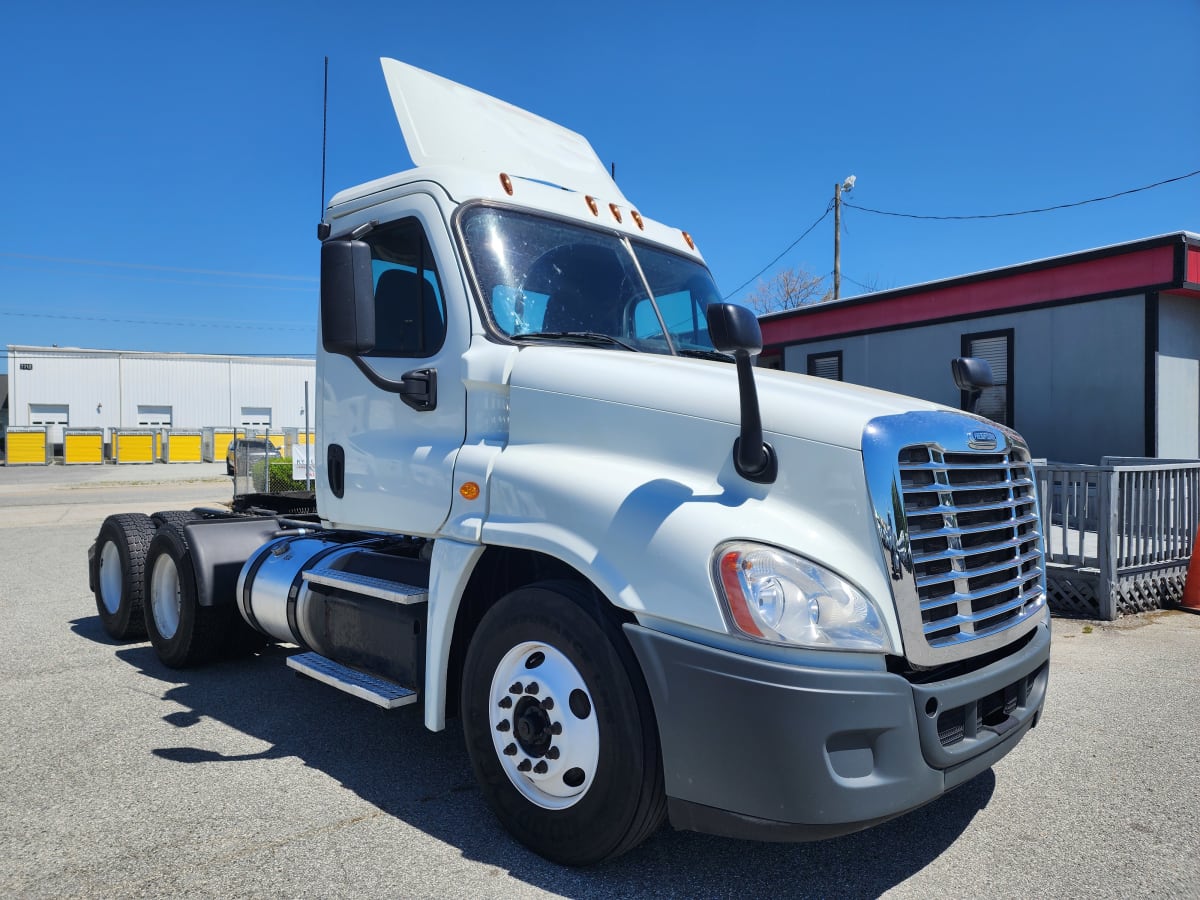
pixel 982 440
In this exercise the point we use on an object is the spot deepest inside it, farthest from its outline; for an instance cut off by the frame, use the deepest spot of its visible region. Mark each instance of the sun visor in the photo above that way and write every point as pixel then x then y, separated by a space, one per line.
pixel 446 123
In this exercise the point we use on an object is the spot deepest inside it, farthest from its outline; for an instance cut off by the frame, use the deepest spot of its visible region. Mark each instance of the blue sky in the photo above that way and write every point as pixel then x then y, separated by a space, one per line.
pixel 161 162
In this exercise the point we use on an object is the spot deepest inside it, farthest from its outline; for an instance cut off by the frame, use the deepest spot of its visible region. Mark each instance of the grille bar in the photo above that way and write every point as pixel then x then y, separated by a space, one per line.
pixel 952 509
pixel 930 580
pixel 990 591
pixel 976 550
pixel 945 488
pixel 922 535
pixel 990 612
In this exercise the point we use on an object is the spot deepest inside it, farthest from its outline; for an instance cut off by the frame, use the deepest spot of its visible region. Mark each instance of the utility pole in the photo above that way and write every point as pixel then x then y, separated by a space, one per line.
pixel 845 186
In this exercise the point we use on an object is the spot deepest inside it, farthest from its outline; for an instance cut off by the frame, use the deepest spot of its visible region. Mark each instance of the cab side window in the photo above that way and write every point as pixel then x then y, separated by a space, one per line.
pixel 410 309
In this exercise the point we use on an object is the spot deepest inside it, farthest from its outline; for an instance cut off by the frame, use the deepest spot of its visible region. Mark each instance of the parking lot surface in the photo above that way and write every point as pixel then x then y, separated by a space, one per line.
pixel 122 778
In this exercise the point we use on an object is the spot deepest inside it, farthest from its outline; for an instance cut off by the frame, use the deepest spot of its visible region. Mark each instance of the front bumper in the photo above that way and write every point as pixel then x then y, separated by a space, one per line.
pixel 771 751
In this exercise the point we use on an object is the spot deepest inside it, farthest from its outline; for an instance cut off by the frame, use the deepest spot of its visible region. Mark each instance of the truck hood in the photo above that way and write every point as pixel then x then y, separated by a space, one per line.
pixel 795 405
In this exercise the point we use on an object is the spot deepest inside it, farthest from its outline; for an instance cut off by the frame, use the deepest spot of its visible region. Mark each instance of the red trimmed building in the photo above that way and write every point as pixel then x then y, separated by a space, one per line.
pixel 1095 353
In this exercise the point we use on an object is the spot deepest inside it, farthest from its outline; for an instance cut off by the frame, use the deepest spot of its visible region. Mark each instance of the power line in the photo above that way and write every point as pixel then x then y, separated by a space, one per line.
pixel 1023 212
pixel 187 323
pixel 124 265
pixel 783 254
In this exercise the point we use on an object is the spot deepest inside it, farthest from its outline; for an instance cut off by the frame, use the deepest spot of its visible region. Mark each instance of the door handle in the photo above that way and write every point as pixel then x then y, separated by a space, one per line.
pixel 418 389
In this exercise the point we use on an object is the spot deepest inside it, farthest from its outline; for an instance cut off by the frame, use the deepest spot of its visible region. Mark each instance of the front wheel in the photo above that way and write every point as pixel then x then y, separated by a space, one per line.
pixel 559 726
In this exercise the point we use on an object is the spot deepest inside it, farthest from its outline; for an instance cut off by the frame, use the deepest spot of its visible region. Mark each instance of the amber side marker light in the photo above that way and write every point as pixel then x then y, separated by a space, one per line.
pixel 730 569
pixel 506 183
pixel 592 205
pixel 637 218
pixel 469 490
pixel 687 237
pixel 616 212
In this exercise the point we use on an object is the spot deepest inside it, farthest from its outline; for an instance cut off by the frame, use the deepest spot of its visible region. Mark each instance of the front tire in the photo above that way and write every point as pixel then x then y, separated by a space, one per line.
pixel 118 574
pixel 559 726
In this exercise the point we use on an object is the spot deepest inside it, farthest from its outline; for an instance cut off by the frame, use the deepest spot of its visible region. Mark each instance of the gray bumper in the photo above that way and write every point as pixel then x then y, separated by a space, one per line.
pixel 771 751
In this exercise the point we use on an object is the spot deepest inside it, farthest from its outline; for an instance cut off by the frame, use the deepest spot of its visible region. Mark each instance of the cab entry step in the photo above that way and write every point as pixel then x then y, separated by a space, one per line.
pixel 383 693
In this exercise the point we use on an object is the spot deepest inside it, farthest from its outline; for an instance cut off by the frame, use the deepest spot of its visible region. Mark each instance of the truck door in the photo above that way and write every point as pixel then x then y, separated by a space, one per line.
pixel 392 420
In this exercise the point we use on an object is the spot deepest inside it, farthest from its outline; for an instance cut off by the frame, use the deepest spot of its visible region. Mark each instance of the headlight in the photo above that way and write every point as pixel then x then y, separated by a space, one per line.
pixel 777 596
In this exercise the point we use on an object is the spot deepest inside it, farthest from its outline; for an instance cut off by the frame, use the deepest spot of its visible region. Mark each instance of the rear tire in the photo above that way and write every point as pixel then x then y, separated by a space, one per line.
pixel 118 577
pixel 183 632
pixel 560 728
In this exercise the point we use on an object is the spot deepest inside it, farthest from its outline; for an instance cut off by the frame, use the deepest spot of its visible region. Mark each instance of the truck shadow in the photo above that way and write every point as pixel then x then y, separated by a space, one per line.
pixel 390 760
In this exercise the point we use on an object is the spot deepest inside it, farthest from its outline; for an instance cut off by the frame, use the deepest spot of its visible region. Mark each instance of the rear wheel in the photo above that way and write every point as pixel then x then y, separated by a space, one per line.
pixel 118 574
pixel 183 632
pixel 560 728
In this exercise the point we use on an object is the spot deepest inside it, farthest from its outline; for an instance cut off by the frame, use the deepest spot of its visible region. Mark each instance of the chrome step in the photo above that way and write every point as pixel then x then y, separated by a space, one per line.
pixel 367 585
pixel 383 693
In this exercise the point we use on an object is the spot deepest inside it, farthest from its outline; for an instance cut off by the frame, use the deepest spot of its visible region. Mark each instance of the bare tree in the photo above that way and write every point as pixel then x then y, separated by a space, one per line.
pixel 787 289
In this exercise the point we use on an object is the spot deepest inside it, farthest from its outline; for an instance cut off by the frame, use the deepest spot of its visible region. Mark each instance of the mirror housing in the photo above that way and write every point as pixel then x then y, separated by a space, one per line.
pixel 971 376
pixel 735 329
pixel 971 373
pixel 347 298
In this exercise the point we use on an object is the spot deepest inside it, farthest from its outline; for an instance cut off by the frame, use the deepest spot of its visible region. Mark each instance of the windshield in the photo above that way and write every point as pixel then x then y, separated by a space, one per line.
pixel 541 278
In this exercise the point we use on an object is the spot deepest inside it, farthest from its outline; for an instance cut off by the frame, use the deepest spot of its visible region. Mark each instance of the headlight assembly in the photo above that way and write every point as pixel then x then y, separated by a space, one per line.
pixel 778 596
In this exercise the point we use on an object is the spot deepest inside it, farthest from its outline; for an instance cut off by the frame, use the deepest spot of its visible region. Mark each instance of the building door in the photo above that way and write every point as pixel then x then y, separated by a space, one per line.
pixel 996 347
pixel 54 416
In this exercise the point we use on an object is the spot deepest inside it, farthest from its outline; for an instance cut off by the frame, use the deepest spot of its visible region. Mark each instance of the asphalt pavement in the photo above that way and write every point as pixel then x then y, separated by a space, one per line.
pixel 121 778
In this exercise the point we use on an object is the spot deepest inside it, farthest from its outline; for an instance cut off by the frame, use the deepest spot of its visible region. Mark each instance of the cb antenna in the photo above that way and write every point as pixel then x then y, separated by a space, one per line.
pixel 324 132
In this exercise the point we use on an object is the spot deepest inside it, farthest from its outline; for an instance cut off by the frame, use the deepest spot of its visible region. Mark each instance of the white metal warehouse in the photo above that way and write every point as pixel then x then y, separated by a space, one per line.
pixel 62 387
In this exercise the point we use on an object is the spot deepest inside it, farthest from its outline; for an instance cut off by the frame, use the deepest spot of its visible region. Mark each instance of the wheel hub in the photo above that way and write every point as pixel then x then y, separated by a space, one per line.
pixel 544 728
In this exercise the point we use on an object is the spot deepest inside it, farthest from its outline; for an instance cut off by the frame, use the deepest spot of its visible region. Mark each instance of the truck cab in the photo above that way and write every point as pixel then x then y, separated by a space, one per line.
pixel 556 500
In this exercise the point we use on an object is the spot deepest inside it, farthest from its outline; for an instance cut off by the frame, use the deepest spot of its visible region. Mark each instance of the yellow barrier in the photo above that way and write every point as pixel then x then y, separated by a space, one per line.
pixel 83 447
pixel 26 447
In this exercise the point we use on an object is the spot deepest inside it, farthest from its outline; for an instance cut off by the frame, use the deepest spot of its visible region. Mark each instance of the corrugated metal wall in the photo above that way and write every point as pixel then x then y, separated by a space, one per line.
pixel 104 389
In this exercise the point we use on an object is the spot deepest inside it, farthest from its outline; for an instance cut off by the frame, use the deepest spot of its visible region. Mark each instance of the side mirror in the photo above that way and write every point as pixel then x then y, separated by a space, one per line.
pixel 971 375
pixel 347 298
pixel 734 329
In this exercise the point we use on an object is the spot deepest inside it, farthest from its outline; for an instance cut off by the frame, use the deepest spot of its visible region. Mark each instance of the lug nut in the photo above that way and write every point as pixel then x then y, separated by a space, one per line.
pixel 504 725
pixel 506 703
pixel 510 750
pixel 524 766
pixel 541 768
pixel 515 688
pixel 548 704
pixel 532 688
pixel 556 728
pixel 552 753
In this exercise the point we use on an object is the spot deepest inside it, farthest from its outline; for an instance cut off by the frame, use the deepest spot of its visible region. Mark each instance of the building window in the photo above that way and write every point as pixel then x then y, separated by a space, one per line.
pixel 256 417
pixel 153 416
pixel 826 365
pixel 995 402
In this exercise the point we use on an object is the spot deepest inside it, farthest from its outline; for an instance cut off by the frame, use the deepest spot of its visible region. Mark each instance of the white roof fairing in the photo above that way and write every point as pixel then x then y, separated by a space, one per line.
pixel 445 123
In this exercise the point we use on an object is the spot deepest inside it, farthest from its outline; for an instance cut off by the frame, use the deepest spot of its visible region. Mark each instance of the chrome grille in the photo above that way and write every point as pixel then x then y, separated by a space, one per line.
pixel 956 514
pixel 976 551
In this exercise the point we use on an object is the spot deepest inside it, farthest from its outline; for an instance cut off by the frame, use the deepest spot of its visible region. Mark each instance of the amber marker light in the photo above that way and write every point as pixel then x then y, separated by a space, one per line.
pixel 469 490
pixel 687 237
pixel 506 183
pixel 730 569
pixel 637 218
pixel 616 212
pixel 592 205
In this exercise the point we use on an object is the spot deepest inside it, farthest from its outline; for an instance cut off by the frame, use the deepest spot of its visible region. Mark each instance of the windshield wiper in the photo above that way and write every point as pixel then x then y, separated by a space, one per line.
pixel 594 338
pixel 705 354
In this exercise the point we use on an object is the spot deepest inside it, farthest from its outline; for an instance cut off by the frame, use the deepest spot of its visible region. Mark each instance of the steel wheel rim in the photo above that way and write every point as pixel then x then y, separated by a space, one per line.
pixel 166 601
pixel 543 725
pixel 110 578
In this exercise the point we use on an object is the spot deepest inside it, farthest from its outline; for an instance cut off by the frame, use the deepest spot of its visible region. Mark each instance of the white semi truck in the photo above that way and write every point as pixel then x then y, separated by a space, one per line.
pixel 555 499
